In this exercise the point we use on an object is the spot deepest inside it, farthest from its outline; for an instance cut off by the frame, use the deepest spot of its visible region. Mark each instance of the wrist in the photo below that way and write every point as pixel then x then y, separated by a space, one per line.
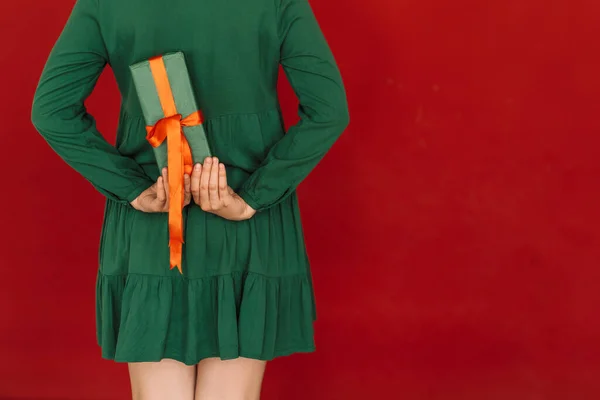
pixel 135 203
pixel 248 212
pixel 251 204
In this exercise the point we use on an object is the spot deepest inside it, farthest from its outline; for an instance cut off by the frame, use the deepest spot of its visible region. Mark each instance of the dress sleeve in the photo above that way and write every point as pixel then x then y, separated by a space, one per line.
pixel 313 74
pixel 59 114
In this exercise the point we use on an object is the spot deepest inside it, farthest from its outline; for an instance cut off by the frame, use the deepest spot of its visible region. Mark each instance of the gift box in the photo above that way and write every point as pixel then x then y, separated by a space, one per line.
pixel 147 76
pixel 174 129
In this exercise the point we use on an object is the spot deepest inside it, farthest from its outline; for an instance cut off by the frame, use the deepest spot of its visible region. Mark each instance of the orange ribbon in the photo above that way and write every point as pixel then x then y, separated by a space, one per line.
pixel 179 155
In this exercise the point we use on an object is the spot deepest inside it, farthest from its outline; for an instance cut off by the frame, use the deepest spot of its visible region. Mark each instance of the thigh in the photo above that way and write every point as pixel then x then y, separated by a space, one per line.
pixel 237 379
pixel 167 379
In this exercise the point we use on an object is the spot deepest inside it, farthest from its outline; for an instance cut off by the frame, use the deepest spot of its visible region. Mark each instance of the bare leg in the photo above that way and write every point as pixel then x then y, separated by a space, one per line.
pixel 167 379
pixel 238 379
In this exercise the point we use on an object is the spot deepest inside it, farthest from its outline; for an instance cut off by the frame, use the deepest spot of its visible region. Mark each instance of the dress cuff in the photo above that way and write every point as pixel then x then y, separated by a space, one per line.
pixel 250 200
pixel 139 188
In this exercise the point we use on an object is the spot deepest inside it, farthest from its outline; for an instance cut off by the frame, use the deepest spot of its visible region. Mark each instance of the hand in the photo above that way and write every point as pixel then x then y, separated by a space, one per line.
pixel 211 192
pixel 156 197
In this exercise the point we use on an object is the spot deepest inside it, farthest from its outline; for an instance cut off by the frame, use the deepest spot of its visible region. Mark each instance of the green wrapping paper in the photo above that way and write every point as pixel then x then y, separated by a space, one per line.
pixel 185 103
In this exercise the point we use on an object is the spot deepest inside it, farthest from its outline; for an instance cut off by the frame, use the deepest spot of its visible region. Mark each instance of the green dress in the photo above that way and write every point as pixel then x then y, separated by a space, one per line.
pixel 246 288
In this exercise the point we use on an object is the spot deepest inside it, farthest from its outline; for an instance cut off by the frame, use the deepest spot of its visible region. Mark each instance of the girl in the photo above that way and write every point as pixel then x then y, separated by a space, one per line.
pixel 245 295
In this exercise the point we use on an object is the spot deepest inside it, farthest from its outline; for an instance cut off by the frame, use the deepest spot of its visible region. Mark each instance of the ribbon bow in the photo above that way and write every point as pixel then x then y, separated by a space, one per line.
pixel 179 155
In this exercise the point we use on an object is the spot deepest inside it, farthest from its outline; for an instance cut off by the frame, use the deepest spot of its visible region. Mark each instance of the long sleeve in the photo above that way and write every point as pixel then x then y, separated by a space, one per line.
pixel 313 74
pixel 59 114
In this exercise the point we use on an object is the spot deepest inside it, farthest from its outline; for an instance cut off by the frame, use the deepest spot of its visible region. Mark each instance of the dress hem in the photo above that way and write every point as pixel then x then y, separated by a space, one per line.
pixel 240 314
pixel 195 361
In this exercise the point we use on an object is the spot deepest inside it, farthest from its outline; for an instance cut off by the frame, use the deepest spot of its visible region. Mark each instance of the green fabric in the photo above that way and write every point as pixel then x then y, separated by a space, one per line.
pixel 185 103
pixel 246 287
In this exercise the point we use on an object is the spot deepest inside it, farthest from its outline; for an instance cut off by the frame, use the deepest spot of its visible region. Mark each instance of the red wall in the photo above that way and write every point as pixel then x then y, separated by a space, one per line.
pixel 455 255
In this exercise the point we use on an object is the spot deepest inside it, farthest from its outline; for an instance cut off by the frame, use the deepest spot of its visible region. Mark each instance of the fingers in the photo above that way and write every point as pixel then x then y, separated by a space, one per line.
pixel 204 182
pixel 160 191
pixel 213 185
pixel 187 194
pixel 224 194
pixel 165 178
pixel 195 183
pixel 208 185
pixel 156 198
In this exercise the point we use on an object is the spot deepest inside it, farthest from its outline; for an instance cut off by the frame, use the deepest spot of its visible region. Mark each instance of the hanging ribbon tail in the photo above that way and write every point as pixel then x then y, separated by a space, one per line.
pixel 176 251
pixel 175 172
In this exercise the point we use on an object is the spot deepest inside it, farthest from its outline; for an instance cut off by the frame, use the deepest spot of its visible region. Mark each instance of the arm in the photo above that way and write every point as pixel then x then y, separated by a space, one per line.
pixel 59 114
pixel 311 70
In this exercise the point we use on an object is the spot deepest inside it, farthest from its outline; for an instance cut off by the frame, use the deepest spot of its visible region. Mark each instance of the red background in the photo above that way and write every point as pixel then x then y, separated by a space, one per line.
pixel 453 229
